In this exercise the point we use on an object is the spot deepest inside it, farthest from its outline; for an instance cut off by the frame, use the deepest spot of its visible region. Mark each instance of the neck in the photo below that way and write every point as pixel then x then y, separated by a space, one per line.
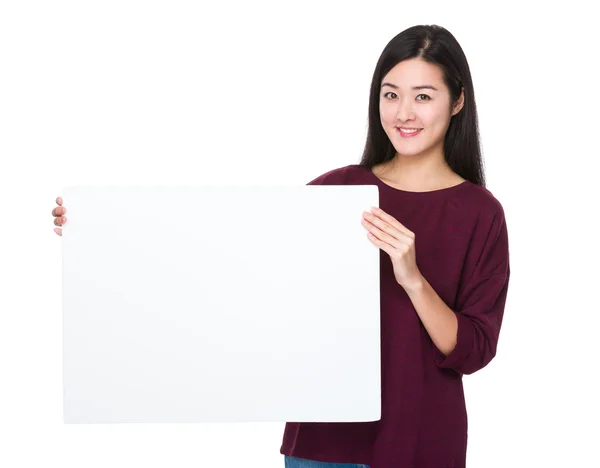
pixel 417 173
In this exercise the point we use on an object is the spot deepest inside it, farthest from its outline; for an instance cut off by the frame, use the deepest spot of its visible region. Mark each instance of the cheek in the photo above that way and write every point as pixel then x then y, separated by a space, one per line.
pixel 386 113
pixel 434 117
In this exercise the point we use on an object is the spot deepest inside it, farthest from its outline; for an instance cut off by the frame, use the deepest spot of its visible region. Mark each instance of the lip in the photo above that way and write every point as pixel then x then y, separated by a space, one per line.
pixel 408 135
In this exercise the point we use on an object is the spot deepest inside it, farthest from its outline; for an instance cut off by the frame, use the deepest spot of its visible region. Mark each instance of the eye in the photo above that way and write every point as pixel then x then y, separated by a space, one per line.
pixel 389 92
pixel 427 98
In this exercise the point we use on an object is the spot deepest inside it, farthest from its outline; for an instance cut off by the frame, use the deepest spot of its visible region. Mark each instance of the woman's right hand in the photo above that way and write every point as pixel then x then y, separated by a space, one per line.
pixel 58 213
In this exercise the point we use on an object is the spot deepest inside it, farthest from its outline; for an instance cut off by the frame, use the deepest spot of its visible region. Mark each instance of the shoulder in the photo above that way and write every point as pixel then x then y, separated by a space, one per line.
pixel 481 202
pixel 346 175
pixel 483 215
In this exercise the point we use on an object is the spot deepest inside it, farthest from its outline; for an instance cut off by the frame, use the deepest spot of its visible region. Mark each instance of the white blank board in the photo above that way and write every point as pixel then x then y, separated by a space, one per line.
pixel 220 304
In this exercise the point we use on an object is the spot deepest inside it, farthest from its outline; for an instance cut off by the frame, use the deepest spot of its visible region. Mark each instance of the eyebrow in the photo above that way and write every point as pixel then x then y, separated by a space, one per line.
pixel 414 87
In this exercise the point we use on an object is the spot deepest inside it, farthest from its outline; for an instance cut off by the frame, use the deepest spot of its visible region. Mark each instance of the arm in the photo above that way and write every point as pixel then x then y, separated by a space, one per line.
pixel 438 319
pixel 466 339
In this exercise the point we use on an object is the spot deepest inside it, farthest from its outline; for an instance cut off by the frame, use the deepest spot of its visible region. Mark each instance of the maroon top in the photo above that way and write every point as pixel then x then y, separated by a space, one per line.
pixel 462 250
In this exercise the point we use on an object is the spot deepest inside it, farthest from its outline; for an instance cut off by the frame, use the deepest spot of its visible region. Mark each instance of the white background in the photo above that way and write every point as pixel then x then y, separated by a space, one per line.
pixel 255 92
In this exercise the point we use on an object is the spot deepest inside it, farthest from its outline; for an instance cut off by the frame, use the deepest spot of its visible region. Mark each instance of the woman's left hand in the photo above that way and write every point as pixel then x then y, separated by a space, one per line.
pixel 398 242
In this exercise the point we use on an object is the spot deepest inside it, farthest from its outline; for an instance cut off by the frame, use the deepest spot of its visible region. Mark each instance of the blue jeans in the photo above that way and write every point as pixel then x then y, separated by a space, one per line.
pixel 293 462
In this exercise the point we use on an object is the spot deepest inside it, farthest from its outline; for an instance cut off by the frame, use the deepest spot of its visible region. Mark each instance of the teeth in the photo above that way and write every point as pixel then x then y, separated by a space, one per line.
pixel 407 130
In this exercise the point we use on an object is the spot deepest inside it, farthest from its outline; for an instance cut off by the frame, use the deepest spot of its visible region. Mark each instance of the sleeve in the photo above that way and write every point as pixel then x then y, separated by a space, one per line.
pixel 480 305
pixel 323 179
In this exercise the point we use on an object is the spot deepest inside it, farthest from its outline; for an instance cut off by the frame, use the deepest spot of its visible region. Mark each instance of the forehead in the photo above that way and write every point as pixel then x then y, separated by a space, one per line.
pixel 415 72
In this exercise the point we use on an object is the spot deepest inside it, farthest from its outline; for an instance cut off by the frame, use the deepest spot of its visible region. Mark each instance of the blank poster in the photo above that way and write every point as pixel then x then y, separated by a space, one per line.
pixel 220 304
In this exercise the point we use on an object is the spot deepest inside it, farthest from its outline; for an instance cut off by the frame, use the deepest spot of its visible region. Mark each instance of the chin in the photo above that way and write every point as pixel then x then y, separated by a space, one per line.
pixel 404 151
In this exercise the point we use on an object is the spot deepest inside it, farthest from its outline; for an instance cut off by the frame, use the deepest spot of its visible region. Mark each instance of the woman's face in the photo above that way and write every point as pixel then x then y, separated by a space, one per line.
pixel 415 107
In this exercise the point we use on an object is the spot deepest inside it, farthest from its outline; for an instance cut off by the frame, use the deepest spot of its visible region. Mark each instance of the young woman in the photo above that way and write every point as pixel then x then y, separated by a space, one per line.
pixel 444 261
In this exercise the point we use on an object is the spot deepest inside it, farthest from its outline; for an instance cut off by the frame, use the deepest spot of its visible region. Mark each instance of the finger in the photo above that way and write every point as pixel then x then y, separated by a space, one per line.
pixel 382 245
pixel 59 201
pixel 386 227
pixel 58 231
pixel 392 221
pixel 381 235
pixel 60 220
pixel 59 210
pixel 378 212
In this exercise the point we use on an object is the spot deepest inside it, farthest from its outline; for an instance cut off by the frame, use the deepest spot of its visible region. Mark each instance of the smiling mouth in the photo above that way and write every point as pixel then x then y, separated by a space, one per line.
pixel 408 132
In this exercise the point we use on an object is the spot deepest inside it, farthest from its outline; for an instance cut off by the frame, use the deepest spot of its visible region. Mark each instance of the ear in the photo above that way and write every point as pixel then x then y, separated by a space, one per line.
pixel 460 102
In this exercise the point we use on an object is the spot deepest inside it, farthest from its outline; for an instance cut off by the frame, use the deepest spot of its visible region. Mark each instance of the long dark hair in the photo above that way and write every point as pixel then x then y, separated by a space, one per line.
pixel 436 45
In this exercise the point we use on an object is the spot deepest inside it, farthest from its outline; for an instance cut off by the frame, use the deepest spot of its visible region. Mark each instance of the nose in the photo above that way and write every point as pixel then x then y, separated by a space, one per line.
pixel 405 110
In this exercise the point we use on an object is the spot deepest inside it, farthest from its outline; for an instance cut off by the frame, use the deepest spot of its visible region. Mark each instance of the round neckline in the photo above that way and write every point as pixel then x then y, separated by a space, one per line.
pixel 370 175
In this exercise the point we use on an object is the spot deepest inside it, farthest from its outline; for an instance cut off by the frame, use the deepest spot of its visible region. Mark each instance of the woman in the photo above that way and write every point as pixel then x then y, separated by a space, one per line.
pixel 444 261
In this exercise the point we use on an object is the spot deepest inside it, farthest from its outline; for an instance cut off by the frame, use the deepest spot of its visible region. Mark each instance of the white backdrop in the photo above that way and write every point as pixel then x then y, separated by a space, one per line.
pixel 126 92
